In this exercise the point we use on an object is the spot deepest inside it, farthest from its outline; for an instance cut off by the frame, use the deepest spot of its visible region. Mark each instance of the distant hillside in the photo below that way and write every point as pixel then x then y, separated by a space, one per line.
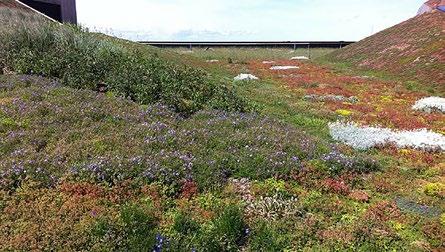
pixel 413 50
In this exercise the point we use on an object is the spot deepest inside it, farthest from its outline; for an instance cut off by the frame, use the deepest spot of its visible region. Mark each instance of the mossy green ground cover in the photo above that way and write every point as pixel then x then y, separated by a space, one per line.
pixel 268 96
pixel 91 169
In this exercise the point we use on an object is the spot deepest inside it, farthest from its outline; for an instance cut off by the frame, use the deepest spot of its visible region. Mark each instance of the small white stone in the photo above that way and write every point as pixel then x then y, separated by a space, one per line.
pixel 283 67
pixel 212 61
pixel 268 62
pixel 241 77
pixel 300 58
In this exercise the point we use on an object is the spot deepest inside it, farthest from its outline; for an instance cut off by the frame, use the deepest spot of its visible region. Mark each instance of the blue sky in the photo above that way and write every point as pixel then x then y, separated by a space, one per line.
pixel 230 20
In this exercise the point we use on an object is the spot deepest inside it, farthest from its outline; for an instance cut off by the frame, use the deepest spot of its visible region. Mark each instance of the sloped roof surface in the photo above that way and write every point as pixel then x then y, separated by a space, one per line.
pixel 12 4
pixel 413 50
pixel 435 3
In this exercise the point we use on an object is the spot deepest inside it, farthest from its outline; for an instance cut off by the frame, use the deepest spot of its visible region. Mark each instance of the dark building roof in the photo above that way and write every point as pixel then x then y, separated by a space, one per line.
pixel 60 10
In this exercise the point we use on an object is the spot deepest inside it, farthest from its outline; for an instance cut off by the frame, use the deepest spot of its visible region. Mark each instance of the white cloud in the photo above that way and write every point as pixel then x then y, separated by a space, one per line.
pixel 245 19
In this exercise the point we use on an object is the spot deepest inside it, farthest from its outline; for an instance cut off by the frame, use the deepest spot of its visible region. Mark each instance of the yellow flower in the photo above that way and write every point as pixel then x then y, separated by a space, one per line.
pixel 433 189
pixel 398 226
pixel 405 151
pixel 387 98
pixel 343 112
pixel 4 101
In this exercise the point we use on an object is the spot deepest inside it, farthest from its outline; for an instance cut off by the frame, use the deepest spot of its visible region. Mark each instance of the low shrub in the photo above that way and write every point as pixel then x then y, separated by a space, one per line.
pixel 229 229
pixel 135 230
pixel 336 186
pixel 139 227
pixel 264 237
pixel 185 225
pixel 226 232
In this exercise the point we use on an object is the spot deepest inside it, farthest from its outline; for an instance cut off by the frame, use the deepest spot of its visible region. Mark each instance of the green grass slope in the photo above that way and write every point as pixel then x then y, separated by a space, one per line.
pixel 413 50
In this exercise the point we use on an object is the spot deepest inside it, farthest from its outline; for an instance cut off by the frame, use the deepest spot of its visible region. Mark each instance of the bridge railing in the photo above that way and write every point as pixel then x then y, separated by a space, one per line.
pixel 264 44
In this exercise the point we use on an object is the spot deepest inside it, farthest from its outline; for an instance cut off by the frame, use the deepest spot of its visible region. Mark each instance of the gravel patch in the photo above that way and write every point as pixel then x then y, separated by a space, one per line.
pixel 430 105
pixel 364 137
pixel 299 58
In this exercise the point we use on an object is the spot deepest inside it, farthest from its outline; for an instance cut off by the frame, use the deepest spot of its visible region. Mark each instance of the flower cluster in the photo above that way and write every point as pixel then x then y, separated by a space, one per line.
pixel 274 208
pixel 161 243
pixel 300 58
pixel 338 162
pixel 243 188
pixel 99 138
pixel 283 67
pixel 331 98
pixel 410 206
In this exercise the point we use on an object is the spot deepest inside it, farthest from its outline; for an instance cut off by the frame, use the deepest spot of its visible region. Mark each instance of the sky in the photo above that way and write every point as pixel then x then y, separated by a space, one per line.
pixel 244 20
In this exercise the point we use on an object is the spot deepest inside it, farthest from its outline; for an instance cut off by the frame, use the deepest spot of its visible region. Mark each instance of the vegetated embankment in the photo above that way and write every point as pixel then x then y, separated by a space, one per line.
pixel 80 59
pixel 413 50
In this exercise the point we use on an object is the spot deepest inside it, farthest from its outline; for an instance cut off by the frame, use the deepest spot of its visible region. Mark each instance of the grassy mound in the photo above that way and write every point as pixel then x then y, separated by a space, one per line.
pixel 78 147
pixel 51 133
pixel 90 61
pixel 413 50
